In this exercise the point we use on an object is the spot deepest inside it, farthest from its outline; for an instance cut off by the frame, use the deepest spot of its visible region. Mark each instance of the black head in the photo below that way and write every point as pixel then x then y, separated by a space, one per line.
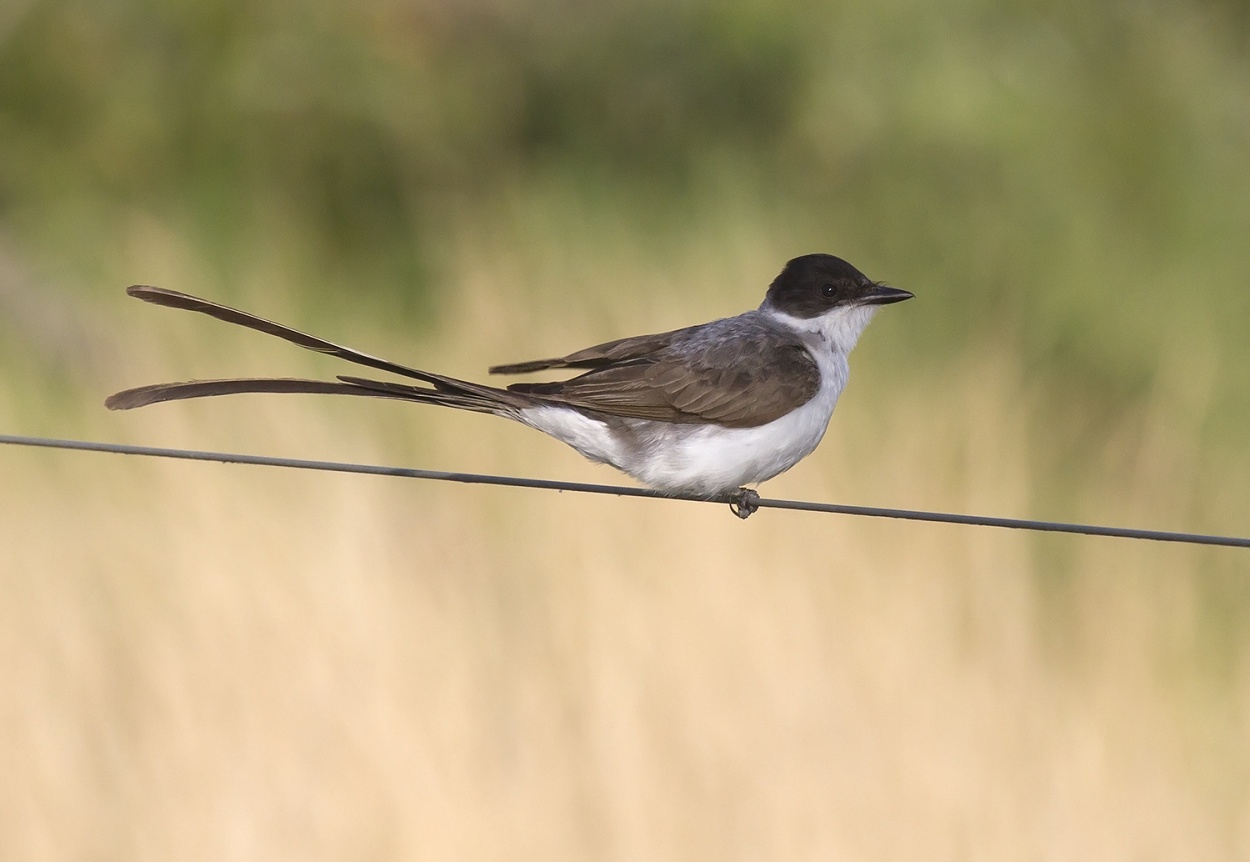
pixel 814 284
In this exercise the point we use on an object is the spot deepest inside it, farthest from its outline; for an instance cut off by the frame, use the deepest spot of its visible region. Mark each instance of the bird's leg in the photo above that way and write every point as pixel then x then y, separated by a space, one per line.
pixel 744 502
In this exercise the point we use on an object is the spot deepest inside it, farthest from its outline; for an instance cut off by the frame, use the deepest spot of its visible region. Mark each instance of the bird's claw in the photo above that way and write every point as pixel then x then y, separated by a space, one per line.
pixel 744 503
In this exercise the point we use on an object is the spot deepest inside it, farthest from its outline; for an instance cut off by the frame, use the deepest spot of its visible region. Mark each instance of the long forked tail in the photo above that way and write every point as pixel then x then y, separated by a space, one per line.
pixel 441 390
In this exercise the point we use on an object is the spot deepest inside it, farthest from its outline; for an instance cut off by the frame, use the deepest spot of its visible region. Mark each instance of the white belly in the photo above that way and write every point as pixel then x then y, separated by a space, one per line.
pixel 707 460
pixel 710 460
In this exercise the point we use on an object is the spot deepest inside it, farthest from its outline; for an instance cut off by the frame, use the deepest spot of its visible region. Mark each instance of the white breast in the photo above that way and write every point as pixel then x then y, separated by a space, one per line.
pixel 707 460
pixel 710 460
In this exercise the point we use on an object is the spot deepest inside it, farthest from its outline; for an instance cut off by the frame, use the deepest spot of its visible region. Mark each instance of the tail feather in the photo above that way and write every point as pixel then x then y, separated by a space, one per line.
pixel 441 390
pixel 528 367
pixel 358 386
pixel 144 395
pixel 469 396
pixel 175 299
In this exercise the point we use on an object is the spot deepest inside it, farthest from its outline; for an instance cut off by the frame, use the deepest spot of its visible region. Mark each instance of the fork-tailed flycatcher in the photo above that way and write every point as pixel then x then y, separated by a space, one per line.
pixel 704 410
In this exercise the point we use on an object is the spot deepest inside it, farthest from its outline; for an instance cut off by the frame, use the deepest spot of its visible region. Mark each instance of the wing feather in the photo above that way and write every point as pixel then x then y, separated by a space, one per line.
pixel 740 373
pixel 602 355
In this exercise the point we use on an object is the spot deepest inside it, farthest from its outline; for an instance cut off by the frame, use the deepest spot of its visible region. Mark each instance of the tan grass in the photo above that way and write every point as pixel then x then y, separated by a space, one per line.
pixel 207 662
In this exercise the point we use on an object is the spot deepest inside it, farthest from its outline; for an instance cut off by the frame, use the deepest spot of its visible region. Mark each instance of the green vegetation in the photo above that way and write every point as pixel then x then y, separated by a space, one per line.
pixel 1065 187
pixel 1073 180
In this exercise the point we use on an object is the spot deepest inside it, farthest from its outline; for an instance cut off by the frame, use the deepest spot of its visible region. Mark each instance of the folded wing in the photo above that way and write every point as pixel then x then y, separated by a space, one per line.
pixel 730 378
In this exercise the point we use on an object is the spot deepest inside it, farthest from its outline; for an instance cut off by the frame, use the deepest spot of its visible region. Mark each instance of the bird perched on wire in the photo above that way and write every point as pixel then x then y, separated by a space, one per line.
pixel 704 411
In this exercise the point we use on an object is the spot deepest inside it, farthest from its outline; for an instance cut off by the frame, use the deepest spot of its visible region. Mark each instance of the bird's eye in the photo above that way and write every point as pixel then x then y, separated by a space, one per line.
pixel 828 290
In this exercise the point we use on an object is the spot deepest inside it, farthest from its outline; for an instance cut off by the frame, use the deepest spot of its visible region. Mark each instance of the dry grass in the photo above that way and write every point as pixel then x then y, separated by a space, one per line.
pixel 206 662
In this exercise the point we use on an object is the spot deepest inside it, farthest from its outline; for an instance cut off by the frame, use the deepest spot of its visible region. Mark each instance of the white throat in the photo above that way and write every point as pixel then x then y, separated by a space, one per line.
pixel 837 330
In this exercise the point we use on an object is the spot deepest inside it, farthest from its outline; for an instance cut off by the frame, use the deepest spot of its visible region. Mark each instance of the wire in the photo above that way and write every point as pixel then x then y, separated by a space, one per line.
pixel 624 491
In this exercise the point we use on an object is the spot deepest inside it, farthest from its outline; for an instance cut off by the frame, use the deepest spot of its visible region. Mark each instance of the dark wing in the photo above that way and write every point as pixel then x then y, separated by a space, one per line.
pixel 601 355
pixel 734 378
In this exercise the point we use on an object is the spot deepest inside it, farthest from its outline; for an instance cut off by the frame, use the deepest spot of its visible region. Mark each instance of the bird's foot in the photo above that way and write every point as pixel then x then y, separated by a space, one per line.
pixel 744 503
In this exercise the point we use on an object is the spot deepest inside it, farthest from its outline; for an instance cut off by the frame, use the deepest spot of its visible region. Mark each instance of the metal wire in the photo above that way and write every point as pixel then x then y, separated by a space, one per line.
pixel 624 491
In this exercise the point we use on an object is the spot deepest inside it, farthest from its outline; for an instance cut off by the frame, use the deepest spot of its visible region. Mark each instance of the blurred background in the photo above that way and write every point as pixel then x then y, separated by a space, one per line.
pixel 212 662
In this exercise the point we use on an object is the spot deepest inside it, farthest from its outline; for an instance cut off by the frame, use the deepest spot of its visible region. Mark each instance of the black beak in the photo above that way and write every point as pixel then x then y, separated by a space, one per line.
pixel 879 294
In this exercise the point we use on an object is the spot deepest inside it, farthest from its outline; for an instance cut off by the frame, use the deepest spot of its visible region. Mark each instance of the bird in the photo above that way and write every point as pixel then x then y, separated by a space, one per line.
pixel 704 411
